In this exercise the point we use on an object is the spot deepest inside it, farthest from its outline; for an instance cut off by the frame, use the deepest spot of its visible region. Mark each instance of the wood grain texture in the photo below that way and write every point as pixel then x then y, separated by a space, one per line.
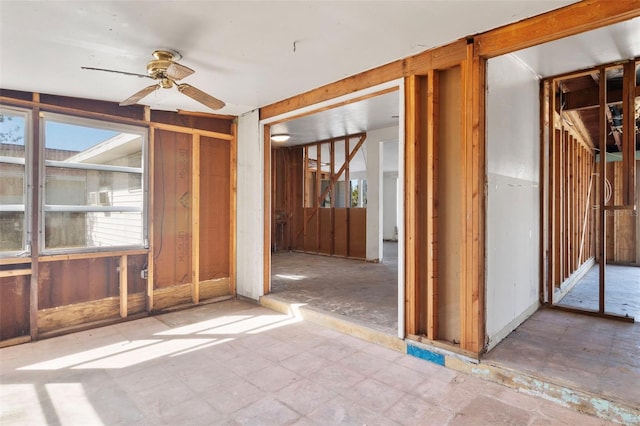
pixel 14 307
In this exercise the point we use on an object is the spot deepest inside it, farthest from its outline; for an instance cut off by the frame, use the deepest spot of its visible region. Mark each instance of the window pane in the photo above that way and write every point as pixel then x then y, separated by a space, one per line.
pixel 73 187
pixel 12 180
pixel 95 229
pixel 11 231
pixel 93 195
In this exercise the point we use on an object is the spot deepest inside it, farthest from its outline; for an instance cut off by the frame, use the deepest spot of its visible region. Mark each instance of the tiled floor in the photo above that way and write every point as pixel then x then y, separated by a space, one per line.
pixel 601 356
pixel 237 363
pixel 622 291
pixel 591 354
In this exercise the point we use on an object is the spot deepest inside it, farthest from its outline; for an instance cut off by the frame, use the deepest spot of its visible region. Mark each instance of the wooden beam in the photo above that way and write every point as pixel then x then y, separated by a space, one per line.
pixel 601 181
pixel 564 22
pixel 410 184
pixel 433 107
pixel 34 239
pixel 629 134
pixel 266 246
pixel 14 272
pixel 151 222
pixel 590 98
pixel 124 291
pixel 476 199
pixel 92 255
pixel 436 58
pixel 195 219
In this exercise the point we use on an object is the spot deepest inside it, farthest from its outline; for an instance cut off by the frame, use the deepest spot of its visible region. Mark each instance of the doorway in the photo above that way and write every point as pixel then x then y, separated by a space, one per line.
pixel 328 204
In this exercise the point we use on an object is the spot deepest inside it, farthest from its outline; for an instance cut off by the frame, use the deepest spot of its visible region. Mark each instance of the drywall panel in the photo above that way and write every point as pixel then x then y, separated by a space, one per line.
pixel 250 208
pixel 389 206
pixel 513 199
pixel 376 162
pixel 450 185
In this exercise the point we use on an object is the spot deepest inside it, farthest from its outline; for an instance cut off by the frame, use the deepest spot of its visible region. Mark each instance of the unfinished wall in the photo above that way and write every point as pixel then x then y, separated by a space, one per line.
pixel 191 229
pixel 250 208
pixel 513 199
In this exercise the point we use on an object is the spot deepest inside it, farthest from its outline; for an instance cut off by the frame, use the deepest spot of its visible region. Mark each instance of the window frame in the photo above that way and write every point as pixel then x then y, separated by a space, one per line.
pixel 143 171
pixel 27 189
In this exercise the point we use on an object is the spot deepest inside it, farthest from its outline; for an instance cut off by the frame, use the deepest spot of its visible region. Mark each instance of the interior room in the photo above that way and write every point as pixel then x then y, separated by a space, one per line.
pixel 335 238
pixel 460 191
pixel 553 189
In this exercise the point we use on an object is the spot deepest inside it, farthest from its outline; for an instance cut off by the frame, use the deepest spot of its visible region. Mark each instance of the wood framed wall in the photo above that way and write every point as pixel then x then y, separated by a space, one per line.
pixel 191 230
pixel 300 221
pixel 423 231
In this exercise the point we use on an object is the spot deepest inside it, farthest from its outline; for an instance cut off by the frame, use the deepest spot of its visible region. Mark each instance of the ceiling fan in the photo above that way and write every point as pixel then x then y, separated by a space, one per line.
pixel 167 72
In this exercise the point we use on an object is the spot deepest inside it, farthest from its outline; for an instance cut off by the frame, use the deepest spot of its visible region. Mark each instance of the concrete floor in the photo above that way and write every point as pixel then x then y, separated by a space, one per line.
pixel 234 363
pixel 622 291
pixel 362 291
pixel 589 354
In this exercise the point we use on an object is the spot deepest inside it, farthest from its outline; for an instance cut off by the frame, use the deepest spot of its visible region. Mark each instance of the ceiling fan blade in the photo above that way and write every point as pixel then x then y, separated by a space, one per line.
pixel 139 95
pixel 176 71
pixel 200 96
pixel 117 72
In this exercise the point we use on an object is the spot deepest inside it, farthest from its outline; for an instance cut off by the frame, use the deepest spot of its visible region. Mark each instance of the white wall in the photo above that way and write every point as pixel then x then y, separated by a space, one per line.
pixel 250 210
pixel 513 203
pixel 375 194
pixel 389 205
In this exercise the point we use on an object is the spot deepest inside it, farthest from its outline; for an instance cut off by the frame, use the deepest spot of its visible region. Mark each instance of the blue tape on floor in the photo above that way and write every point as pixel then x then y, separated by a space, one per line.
pixel 425 354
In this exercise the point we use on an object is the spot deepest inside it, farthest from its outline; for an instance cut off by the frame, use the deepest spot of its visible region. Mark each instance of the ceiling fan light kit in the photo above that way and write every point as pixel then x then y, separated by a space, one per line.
pixel 167 72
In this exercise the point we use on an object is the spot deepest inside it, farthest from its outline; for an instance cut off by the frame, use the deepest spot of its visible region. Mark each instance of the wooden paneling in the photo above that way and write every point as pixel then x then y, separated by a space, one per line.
pixel 358 233
pixel 311 232
pixel 76 281
pixel 340 231
pixel 215 193
pixel 14 307
pixel 172 209
pixel 326 230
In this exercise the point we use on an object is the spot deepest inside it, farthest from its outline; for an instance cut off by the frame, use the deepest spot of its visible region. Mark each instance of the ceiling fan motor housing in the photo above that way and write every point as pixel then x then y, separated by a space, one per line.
pixel 157 68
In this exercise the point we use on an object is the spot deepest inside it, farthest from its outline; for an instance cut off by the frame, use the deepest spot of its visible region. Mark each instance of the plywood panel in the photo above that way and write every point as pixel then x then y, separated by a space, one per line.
pixel 310 235
pixel 326 231
pixel 14 307
pixel 74 281
pixel 172 209
pixel 215 184
pixel 358 233
pixel 340 232
pixel 295 224
pixel 450 217
pixel 135 282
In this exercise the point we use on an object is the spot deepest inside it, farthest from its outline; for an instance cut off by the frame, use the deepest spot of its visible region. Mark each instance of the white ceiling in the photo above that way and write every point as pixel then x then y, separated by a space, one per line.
pixel 602 46
pixel 243 51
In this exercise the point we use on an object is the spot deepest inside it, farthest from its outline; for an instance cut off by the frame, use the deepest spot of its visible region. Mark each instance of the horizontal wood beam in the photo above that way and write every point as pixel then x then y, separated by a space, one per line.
pixel 590 98
pixel 437 58
pixel 567 21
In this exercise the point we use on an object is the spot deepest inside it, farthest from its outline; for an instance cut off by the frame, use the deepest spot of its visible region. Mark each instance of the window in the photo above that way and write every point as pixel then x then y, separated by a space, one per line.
pixel 14 124
pixel 94 194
